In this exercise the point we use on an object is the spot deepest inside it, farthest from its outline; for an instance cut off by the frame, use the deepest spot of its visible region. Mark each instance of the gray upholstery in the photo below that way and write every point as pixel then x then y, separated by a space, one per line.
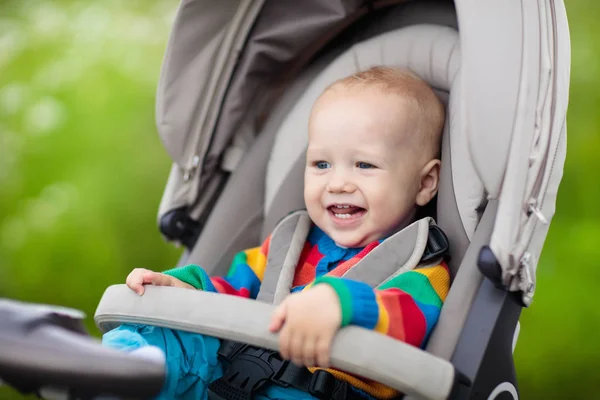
pixel 289 196
pixel 232 225
pixel 399 253
pixel 236 221
pixel 285 247
pixel 444 338
pixel 448 215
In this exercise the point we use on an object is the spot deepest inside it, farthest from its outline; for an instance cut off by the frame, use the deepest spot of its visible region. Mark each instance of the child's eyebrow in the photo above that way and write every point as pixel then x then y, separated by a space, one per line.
pixel 313 149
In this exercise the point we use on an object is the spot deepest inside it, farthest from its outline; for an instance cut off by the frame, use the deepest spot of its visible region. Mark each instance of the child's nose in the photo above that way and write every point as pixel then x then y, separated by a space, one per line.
pixel 340 183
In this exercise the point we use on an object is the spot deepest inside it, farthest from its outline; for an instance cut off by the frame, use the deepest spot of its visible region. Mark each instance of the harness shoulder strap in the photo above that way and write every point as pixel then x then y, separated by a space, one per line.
pixel 420 242
pixel 285 247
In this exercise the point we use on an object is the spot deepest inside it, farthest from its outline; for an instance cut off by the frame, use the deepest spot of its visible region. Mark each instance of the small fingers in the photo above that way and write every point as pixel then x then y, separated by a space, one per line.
pixel 137 287
pixel 140 277
pixel 157 279
pixel 297 348
pixel 278 318
pixel 323 350
pixel 309 351
pixel 284 343
pixel 135 280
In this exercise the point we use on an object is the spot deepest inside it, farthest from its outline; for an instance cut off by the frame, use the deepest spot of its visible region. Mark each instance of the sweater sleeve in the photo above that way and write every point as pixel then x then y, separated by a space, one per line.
pixel 244 277
pixel 407 307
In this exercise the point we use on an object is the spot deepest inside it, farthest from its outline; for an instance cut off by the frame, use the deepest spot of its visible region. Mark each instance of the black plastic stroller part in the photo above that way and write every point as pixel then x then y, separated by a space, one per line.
pixel 437 244
pixel 43 347
pixel 250 368
pixel 484 352
pixel 489 266
pixel 461 387
pixel 177 225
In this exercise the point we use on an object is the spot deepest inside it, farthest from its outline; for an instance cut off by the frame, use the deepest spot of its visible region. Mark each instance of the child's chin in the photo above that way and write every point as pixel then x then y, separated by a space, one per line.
pixel 347 242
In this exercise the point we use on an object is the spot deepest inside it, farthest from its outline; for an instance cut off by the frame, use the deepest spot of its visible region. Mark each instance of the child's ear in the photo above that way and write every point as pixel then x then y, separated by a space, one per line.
pixel 430 179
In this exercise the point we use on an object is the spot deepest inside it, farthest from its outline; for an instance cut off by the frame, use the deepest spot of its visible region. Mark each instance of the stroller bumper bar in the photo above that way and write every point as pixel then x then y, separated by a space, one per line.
pixel 378 357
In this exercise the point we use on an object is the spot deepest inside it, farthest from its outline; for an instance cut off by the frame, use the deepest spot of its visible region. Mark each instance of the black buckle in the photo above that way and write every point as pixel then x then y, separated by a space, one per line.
pixel 437 244
pixel 322 384
pixel 252 369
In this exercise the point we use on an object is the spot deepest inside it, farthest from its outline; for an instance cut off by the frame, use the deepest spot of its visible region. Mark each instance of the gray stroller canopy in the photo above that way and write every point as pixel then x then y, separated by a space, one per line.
pixel 228 63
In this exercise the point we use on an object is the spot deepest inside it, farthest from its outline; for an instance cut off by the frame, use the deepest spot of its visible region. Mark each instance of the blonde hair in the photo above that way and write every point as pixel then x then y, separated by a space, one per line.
pixel 430 115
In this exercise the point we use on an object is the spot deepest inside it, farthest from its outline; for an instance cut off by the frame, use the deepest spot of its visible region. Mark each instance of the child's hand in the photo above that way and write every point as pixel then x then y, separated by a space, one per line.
pixel 140 277
pixel 308 321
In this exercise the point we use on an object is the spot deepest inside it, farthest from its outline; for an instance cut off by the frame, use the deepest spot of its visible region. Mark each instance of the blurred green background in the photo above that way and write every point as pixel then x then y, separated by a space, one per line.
pixel 82 171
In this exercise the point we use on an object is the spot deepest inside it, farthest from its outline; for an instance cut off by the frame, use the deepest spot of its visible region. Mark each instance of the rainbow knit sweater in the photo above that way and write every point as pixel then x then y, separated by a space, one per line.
pixel 406 307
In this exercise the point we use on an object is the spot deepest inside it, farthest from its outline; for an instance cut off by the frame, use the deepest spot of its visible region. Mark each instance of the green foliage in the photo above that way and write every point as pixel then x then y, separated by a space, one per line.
pixel 82 171
pixel 81 165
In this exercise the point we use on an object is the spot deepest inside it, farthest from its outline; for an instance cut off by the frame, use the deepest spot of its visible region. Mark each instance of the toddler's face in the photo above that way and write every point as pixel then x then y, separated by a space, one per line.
pixel 362 172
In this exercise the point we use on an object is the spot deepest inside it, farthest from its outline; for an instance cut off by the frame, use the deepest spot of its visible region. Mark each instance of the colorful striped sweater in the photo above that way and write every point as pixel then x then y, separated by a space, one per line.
pixel 406 307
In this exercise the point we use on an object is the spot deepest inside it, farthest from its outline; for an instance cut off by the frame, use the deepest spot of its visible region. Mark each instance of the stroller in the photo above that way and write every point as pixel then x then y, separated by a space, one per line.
pixel 237 84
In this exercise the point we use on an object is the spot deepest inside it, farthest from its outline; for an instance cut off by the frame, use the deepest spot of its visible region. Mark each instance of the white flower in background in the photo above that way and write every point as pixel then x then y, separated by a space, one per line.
pixel 136 28
pixel 61 196
pixel 43 213
pixel 46 115
pixel 46 19
pixel 12 98
pixel 60 73
pixel 40 214
pixel 12 41
pixel 11 146
pixel 91 25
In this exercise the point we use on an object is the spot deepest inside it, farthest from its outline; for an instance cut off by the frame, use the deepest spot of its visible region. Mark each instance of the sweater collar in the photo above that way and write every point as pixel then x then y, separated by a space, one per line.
pixel 328 247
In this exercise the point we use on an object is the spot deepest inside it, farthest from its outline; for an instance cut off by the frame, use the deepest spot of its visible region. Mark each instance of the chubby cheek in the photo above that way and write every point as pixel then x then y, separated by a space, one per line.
pixel 312 200
pixel 388 208
pixel 314 212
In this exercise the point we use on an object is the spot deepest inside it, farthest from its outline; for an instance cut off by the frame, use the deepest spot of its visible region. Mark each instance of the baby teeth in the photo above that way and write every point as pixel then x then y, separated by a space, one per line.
pixel 342 206
pixel 343 216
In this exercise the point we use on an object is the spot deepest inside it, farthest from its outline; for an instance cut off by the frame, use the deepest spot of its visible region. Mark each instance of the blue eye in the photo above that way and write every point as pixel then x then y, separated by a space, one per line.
pixel 322 165
pixel 364 165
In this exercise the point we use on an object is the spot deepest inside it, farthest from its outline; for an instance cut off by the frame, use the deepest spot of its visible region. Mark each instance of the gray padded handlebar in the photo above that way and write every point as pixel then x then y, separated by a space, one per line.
pixel 45 349
pixel 355 350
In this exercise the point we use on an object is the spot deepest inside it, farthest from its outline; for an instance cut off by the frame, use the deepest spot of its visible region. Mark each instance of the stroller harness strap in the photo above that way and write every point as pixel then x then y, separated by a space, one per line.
pixel 419 244
pixel 250 368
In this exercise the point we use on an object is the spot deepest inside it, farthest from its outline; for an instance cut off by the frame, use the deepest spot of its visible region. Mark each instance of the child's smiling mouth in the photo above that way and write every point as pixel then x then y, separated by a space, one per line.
pixel 345 213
